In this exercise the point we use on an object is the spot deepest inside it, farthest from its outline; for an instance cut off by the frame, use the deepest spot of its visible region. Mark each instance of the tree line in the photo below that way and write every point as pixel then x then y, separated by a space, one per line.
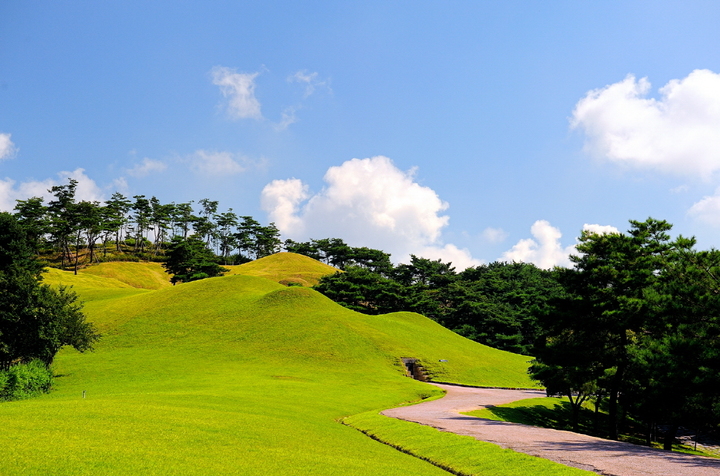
pixel 633 325
pixel 496 304
pixel 140 227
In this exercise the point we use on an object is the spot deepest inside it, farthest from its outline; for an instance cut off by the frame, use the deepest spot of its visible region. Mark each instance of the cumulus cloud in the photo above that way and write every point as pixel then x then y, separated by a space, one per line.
pixel 7 148
pixel 677 133
pixel 310 80
pixel 545 250
pixel 601 229
pixel 239 89
pixel 460 258
pixel 366 202
pixel 10 191
pixel 282 200
pixel 147 167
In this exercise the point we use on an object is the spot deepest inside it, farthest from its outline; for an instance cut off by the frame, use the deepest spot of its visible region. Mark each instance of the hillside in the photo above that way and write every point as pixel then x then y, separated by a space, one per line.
pixel 285 268
pixel 232 375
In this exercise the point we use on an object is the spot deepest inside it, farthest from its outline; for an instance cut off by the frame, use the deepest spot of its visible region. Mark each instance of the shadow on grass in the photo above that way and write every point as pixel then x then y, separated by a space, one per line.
pixel 557 416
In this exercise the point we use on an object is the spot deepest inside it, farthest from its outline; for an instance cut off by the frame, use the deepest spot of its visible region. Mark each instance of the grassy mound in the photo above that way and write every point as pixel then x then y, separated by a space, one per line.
pixel 285 268
pixel 138 275
pixel 232 375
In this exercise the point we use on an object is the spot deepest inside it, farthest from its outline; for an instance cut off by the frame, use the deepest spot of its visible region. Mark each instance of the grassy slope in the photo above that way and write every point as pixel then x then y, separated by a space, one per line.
pixel 231 375
pixel 138 275
pixel 285 268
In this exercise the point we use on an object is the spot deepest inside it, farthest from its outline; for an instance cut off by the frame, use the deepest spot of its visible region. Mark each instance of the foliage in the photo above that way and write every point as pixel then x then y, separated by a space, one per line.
pixel 190 259
pixel 139 228
pixel 494 304
pixel 638 324
pixel 35 319
pixel 25 380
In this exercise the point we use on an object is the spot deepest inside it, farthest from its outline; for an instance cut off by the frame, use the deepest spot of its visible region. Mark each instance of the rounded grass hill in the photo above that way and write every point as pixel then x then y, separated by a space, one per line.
pixel 232 375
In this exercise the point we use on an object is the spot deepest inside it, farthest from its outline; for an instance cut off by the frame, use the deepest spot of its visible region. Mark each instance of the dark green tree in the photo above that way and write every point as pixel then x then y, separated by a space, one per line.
pixel 615 313
pixel 63 223
pixel 35 319
pixel 227 241
pixel 190 260
pixel 362 290
pixel 115 218
pixel 32 216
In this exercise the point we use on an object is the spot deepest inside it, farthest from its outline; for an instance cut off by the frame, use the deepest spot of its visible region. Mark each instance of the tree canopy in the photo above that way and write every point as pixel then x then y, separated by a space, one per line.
pixel 190 260
pixel 35 319
pixel 638 323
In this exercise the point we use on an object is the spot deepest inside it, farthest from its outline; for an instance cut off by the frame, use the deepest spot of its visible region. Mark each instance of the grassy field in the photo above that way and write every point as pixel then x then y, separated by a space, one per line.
pixel 233 375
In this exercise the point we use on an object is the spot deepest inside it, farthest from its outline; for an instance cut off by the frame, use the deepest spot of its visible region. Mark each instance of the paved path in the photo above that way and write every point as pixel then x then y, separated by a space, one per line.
pixel 572 449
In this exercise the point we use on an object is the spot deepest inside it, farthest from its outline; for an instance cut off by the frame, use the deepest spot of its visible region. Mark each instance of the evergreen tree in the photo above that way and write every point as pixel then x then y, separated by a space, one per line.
pixel 35 319
pixel 190 260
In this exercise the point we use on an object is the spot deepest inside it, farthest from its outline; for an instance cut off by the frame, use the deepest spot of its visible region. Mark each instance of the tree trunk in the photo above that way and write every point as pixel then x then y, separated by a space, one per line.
pixel 596 419
pixel 613 431
pixel 670 436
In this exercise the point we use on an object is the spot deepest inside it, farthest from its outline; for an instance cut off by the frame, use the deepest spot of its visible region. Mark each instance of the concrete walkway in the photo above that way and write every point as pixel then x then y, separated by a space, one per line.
pixel 594 454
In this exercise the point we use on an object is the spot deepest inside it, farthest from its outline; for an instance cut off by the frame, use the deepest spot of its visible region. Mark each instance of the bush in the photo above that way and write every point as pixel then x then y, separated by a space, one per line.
pixel 25 380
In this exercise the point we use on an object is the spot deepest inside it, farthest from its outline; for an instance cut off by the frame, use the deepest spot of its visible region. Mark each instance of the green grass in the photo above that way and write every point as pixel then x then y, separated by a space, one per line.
pixel 550 412
pixel 233 375
pixel 456 453
pixel 285 268
pixel 138 275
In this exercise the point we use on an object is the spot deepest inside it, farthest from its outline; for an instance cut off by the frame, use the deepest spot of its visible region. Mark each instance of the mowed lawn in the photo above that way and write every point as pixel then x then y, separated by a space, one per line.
pixel 231 375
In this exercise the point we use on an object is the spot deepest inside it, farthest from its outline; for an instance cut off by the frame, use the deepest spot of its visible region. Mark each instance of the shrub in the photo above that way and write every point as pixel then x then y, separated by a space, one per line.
pixel 25 380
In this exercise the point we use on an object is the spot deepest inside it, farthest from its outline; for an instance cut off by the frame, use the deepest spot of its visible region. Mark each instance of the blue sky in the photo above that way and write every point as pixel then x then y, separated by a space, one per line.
pixel 481 130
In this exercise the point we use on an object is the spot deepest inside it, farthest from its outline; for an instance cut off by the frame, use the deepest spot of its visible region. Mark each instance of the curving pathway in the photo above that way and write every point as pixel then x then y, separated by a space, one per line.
pixel 581 451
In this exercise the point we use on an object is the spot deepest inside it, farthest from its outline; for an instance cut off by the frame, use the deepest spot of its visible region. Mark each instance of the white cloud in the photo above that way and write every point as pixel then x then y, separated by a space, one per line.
pixel 546 252
pixel 367 202
pixel 147 167
pixel 215 163
pixel 310 80
pixel 494 235
pixel 239 88
pixel 86 189
pixel 7 148
pixel 460 258
pixel 707 210
pixel 601 229
pixel 282 199
pixel 678 133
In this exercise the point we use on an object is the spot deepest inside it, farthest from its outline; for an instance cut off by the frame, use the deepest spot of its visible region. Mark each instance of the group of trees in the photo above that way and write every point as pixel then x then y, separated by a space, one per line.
pixel 142 227
pixel 637 326
pixel 36 320
pixel 634 324
pixel 496 304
